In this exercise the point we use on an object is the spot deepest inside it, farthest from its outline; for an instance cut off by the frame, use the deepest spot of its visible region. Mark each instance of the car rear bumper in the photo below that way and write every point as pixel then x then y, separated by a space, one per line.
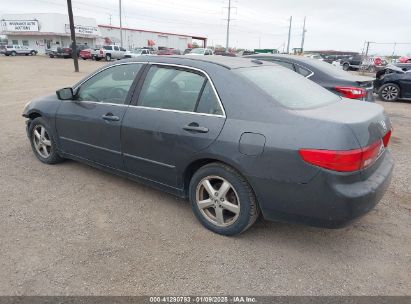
pixel 329 200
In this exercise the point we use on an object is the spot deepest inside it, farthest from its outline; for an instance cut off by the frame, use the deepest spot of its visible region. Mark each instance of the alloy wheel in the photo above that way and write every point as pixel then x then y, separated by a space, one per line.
pixel 217 201
pixel 41 141
pixel 390 93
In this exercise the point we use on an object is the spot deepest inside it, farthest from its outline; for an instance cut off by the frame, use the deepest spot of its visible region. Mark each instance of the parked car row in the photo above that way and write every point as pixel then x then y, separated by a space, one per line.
pixel 238 137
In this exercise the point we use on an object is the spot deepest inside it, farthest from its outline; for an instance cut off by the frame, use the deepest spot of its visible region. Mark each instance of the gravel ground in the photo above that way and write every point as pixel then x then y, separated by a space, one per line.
pixel 70 229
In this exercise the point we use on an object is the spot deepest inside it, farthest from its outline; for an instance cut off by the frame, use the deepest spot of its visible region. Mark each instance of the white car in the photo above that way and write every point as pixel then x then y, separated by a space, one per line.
pixel 138 52
pixel 337 63
pixel 14 50
pixel 313 56
pixel 201 51
pixel 109 52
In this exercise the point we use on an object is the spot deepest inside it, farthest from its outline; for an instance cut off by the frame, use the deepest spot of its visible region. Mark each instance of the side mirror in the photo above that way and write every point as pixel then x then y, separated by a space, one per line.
pixel 65 94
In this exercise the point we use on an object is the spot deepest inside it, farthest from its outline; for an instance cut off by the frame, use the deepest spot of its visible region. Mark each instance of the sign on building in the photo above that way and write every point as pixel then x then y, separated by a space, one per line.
pixel 84 30
pixel 20 25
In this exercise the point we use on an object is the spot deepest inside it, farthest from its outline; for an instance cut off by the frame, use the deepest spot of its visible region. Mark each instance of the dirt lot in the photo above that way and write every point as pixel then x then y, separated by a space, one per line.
pixel 70 229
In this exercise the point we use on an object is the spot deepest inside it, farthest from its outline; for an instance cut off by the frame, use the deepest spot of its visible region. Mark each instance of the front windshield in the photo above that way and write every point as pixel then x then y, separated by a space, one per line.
pixel 197 51
pixel 288 87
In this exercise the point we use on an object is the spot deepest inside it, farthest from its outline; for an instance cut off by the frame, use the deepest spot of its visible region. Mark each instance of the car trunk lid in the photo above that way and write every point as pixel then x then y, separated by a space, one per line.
pixel 367 122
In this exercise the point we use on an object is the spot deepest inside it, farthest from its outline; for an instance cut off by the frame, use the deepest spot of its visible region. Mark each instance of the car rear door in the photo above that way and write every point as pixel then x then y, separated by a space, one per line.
pixel 177 114
pixel 89 126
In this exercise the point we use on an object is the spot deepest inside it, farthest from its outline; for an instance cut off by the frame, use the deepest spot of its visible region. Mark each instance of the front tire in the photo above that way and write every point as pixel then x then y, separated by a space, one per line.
pixel 222 200
pixel 42 142
pixel 346 66
pixel 33 53
pixel 13 53
pixel 108 57
pixel 389 92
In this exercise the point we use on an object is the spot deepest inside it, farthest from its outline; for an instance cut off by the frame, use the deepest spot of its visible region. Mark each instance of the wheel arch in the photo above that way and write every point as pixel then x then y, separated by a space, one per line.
pixel 201 162
pixel 395 82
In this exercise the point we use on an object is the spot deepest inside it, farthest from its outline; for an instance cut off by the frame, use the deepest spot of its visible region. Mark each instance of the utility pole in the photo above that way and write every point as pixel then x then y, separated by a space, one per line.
pixel 228 25
pixel 367 48
pixel 73 36
pixel 289 35
pixel 393 51
pixel 109 16
pixel 303 37
pixel 121 25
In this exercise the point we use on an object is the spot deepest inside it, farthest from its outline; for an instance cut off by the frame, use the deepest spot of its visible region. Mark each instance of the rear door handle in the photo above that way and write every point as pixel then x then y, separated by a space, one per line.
pixel 195 127
pixel 110 117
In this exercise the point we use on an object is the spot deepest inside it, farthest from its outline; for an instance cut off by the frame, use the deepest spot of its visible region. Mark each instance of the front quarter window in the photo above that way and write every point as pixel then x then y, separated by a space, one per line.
pixel 110 85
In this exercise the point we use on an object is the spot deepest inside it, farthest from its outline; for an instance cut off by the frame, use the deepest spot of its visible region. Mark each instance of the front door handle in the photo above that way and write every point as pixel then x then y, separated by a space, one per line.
pixel 110 117
pixel 195 127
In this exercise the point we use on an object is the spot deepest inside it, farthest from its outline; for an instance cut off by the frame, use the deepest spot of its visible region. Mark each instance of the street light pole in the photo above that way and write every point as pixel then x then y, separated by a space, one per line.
pixel 73 36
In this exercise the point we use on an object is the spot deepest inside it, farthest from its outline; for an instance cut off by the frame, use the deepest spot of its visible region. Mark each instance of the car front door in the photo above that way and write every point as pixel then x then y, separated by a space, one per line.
pixel 89 126
pixel 177 114
pixel 18 49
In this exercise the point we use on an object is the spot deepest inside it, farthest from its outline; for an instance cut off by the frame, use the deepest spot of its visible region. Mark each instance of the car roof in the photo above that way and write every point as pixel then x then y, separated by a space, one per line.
pixel 224 61
pixel 283 56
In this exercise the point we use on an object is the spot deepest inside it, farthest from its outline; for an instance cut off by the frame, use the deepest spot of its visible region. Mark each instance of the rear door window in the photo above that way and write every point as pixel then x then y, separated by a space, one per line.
pixel 288 88
pixel 208 103
pixel 171 88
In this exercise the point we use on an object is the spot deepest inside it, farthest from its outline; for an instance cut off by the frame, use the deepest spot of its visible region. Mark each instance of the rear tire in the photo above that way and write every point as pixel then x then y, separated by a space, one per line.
pixel 42 142
pixel 33 53
pixel 389 92
pixel 346 66
pixel 222 200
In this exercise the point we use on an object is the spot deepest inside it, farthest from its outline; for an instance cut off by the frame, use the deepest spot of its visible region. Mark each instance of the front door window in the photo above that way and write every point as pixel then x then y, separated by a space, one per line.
pixel 110 85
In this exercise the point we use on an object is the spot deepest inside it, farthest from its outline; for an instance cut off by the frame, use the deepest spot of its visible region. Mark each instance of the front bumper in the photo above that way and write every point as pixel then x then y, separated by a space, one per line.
pixel 330 200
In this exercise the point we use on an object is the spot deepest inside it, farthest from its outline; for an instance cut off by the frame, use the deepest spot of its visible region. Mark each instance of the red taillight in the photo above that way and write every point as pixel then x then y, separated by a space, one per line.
pixel 386 138
pixel 343 160
pixel 352 92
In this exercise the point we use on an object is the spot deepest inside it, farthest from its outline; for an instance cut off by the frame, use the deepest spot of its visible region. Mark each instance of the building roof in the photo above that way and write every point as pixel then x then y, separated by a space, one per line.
pixel 147 31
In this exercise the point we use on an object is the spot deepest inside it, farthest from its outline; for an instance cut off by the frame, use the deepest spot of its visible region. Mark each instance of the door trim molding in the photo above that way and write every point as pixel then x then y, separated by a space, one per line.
pixel 149 161
pixel 90 145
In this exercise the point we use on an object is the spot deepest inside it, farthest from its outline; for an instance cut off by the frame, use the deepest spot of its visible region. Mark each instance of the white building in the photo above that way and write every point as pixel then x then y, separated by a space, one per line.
pixel 133 38
pixel 43 31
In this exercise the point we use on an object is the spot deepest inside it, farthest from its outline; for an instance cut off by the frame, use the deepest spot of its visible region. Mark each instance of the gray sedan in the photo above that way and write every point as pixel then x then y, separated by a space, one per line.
pixel 236 136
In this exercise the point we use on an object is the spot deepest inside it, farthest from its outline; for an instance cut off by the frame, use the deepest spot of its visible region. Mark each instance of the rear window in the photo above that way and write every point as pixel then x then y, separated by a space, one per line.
pixel 287 87
pixel 107 47
pixel 328 69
